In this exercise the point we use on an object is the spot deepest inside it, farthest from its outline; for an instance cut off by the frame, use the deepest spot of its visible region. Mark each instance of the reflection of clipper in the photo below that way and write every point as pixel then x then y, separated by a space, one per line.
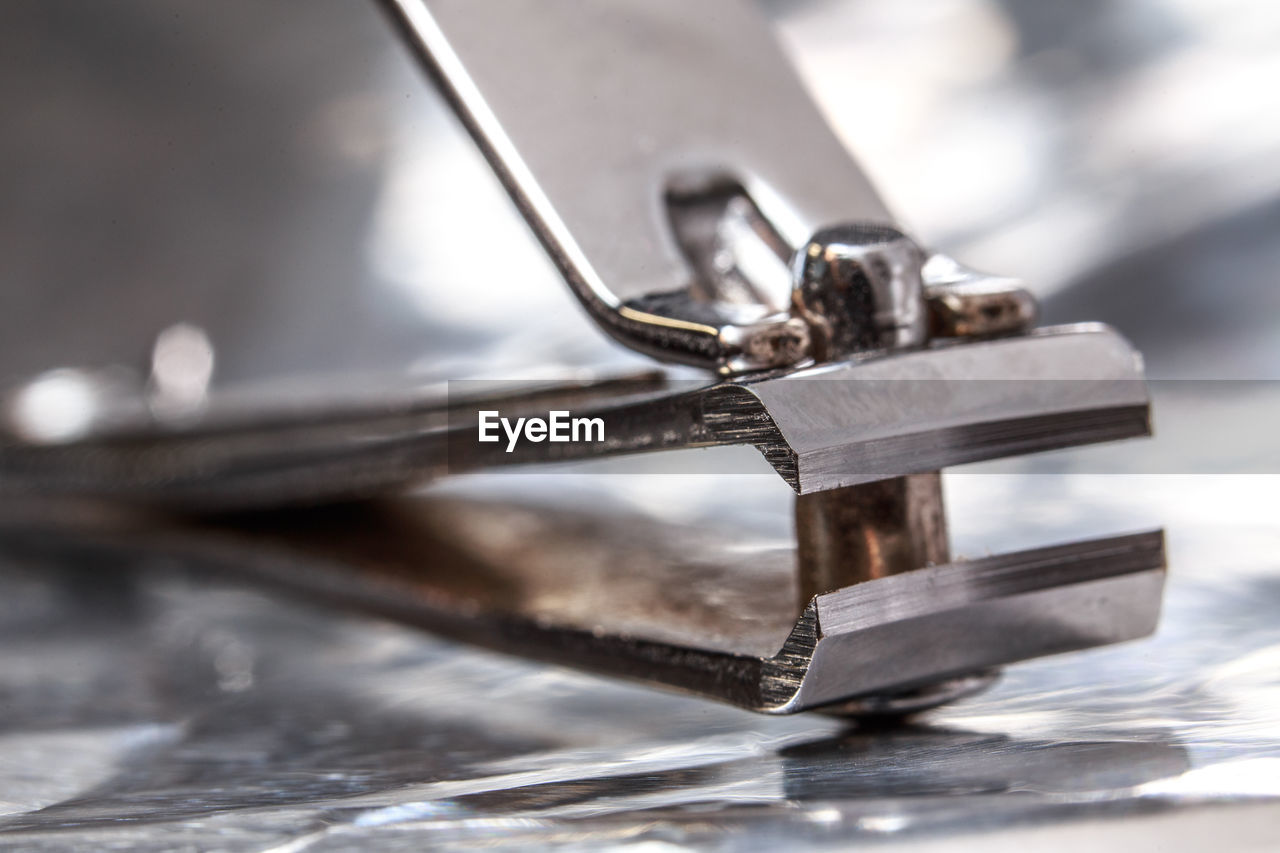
pixel 703 213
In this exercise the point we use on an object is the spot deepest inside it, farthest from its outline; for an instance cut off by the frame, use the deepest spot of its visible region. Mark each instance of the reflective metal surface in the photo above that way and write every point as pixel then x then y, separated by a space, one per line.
pixel 820 428
pixel 156 704
pixel 875 400
pixel 1118 158
pixel 597 583
pixel 598 118
pixel 681 171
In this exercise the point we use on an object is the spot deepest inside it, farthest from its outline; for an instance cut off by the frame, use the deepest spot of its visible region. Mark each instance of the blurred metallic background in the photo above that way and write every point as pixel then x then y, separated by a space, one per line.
pixel 279 174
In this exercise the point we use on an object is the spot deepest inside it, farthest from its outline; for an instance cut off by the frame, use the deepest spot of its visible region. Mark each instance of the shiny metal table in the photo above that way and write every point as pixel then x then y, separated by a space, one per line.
pixel 155 706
